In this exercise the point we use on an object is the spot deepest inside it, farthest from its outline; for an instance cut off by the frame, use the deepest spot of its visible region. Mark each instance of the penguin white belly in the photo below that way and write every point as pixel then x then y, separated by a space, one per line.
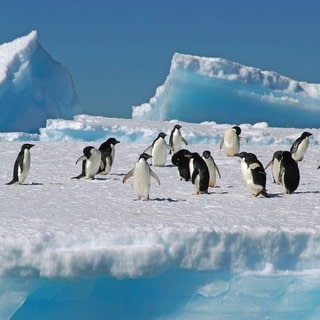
pixel 176 141
pixel 276 171
pixel 248 179
pixel 159 153
pixel 212 172
pixel 141 180
pixel 22 174
pixel 93 164
pixel 302 148
pixel 231 143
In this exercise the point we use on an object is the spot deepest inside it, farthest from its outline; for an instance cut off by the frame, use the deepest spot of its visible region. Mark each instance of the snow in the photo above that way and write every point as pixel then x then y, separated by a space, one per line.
pixel 86 249
pixel 204 88
pixel 33 86
pixel 227 243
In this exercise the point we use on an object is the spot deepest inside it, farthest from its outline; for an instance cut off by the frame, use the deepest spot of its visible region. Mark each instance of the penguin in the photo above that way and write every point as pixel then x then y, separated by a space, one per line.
pixel 212 167
pixel 180 160
pixel 300 146
pixel 107 150
pixel 231 141
pixel 253 173
pixel 289 173
pixel 199 173
pixel 141 174
pixel 91 161
pixel 275 162
pixel 176 140
pixel 158 150
pixel 22 164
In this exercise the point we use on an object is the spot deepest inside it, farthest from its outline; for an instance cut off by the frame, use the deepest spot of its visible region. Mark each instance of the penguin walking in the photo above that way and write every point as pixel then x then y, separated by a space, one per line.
pixel 199 173
pixel 22 164
pixel 212 167
pixel 300 146
pixel 141 174
pixel 275 166
pixel 91 161
pixel 158 150
pixel 289 173
pixel 176 140
pixel 181 159
pixel 253 173
pixel 107 150
pixel 231 141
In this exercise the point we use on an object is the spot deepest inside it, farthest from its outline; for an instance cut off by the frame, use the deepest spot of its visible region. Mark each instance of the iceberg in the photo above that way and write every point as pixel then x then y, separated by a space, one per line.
pixel 201 89
pixel 33 86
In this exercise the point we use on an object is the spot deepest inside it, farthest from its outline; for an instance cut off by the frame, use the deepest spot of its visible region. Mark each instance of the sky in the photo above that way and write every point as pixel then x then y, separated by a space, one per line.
pixel 119 52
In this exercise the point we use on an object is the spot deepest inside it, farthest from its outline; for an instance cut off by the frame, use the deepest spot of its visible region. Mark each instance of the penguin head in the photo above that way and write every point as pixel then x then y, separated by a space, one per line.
pixel 27 146
pixel 177 126
pixel 206 154
pixel 87 151
pixel 162 135
pixel 237 130
pixel 145 156
pixel 277 155
pixel 306 134
pixel 113 141
pixel 242 154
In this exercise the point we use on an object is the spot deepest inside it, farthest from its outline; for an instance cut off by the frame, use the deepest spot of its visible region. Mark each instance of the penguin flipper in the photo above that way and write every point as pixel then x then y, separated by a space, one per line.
pixel 128 175
pixel 153 174
pixel 148 150
pixel 184 141
pixel 81 158
pixel 222 144
pixel 13 181
pixel 217 169
pixel 268 165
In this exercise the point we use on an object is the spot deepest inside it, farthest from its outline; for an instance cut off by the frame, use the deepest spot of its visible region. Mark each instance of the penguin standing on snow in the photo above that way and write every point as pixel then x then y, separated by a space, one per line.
pixel 176 140
pixel 91 161
pixel 141 174
pixel 199 173
pixel 107 150
pixel 212 167
pixel 275 163
pixel 253 173
pixel 289 173
pixel 181 159
pixel 22 164
pixel 300 146
pixel 158 150
pixel 231 141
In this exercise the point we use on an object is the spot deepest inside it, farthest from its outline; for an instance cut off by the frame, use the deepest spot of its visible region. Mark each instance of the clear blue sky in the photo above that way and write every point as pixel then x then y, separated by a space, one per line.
pixel 119 51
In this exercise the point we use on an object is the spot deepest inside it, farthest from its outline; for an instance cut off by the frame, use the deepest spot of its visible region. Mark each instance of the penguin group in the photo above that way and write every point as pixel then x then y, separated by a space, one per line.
pixel 198 168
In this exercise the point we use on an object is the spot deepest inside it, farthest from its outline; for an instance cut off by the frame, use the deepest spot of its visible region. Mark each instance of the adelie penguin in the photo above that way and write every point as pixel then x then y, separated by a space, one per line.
pixel 231 141
pixel 176 140
pixel 253 173
pixel 158 150
pixel 22 164
pixel 199 173
pixel 212 167
pixel 107 150
pixel 141 174
pixel 300 146
pixel 289 175
pixel 181 159
pixel 275 166
pixel 91 161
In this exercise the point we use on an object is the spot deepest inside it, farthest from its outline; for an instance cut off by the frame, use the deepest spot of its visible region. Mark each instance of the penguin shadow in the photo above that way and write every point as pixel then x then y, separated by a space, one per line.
pixel 167 200
pixel 33 184
pixel 307 192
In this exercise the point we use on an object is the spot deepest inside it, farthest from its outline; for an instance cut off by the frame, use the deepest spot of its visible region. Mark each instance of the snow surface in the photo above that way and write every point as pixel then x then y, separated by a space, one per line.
pixel 200 89
pixel 33 86
pixel 79 249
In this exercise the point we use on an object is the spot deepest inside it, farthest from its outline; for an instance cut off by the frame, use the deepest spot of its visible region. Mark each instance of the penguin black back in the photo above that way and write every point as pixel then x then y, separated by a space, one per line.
pixel 289 173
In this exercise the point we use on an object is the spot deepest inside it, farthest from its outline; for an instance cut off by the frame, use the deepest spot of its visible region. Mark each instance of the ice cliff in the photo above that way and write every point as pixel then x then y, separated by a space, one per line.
pixel 33 86
pixel 214 89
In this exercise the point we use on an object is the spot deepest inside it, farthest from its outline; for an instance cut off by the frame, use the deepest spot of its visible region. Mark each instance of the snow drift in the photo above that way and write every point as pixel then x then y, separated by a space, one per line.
pixel 33 86
pixel 214 89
